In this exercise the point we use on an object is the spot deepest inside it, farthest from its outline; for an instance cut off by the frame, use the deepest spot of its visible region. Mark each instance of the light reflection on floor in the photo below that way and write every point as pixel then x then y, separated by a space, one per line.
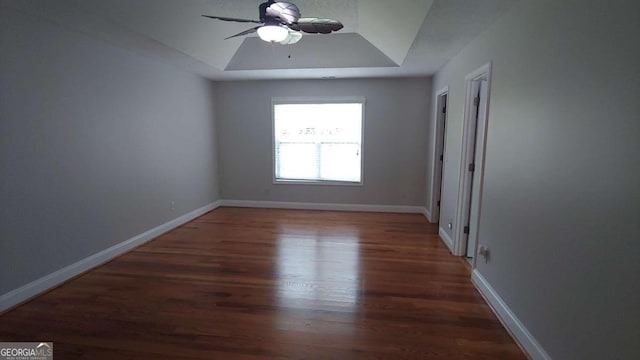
pixel 318 272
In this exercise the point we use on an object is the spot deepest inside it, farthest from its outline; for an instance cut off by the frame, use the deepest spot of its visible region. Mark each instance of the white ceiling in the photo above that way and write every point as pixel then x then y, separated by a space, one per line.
pixel 379 39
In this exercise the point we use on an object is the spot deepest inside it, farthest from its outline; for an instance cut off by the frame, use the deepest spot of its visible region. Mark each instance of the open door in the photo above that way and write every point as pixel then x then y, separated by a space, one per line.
pixel 479 107
pixel 438 153
pixel 472 162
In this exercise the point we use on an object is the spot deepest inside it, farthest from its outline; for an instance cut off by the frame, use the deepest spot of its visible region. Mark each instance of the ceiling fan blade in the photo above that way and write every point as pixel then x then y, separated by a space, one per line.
pixel 288 13
pixel 232 19
pixel 246 32
pixel 316 26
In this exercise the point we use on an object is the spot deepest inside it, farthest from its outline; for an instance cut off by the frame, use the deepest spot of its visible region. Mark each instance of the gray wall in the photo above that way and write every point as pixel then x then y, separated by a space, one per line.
pixel 561 200
pixel 394 149
pixel 95 142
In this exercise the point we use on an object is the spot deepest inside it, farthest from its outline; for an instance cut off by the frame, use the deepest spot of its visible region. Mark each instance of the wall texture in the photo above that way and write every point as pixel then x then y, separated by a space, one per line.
pixel 561 200
pixel 394 149
pixel 95 142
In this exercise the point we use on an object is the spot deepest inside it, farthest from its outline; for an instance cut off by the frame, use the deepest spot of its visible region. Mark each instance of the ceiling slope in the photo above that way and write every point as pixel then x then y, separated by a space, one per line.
pixel 337 51
pixel 178 24
pixel 380 38
pixel 392 26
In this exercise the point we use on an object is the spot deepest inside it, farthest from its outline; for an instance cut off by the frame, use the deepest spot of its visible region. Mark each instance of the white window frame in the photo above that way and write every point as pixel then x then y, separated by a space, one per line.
pixel 316 100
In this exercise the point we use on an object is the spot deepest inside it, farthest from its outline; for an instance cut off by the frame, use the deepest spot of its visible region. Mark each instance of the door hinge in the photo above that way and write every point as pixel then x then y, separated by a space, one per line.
pixel 444 109
pixel 472 167
pixel 465 230
pixel 476 101
pixel 441 157
pixel 438 203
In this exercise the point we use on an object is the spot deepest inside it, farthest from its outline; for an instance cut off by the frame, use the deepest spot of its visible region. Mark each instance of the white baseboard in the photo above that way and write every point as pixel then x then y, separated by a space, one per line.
pixel 427 214
pixel 323 206
pixel 25 292
pixel 509 319
pixel 446 239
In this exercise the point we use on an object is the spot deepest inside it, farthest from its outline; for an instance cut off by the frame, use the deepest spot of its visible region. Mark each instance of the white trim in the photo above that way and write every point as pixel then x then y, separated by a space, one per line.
pixel 446 238
pixel 479 72
pixel 464 190
pixel 323 206
pixel 427 215
pixel 25 292
pixel 438 142
pixel 319 182
pixel 509 319
pixel 318 99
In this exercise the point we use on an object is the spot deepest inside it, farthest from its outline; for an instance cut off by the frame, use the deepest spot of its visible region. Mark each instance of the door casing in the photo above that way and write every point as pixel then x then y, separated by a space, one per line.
pixel 438 140
pixel 483 73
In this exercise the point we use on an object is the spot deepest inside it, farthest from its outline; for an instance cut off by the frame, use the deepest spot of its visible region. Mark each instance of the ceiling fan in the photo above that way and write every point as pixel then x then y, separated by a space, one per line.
pixel 281 22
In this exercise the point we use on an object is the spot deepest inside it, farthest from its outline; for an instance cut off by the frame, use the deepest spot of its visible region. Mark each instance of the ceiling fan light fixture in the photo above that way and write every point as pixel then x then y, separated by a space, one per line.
pixel 292 38
pixel 273 33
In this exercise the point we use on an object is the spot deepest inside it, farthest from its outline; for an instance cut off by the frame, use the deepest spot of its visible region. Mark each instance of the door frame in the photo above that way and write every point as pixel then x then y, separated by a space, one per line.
pixel 466 157
pixel 439 142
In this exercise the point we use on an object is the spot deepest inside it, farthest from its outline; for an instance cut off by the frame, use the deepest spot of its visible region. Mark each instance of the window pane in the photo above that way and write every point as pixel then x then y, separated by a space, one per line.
pixel 318 141
pixel 340 162
pixel 297 161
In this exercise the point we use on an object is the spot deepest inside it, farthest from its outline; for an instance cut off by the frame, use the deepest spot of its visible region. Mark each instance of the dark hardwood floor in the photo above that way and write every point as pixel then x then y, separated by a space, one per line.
pixel 256 283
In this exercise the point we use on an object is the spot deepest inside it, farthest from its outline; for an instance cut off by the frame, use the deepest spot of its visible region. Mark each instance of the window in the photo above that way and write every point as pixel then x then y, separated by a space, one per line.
pixel 318 142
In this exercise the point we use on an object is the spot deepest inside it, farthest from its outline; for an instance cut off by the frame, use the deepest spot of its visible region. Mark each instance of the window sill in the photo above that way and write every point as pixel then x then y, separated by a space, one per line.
pixel 316 182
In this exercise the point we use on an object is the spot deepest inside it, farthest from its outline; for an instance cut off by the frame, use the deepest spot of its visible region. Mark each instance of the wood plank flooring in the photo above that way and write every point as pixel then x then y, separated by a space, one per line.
pixel 242 283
